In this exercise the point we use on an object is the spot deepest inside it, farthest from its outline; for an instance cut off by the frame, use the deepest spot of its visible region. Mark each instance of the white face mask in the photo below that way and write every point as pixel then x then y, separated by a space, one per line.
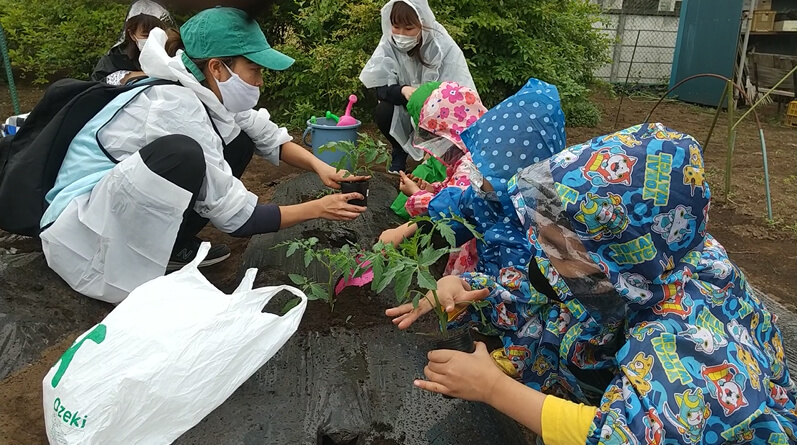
pixel 405 43
pixel 236 94
pixel 140 43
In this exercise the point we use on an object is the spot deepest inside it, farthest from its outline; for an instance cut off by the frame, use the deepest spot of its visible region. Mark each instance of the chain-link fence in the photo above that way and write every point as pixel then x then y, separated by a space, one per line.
pixel 643 34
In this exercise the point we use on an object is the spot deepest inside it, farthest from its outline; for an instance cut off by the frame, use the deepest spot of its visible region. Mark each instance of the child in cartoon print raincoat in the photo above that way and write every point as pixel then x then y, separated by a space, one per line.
pixel 618 227
pixel 442 112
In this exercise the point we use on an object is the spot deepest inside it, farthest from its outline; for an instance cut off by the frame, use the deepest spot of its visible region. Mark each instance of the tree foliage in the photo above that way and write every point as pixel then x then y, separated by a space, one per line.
pixel 505 41
pixel 49 39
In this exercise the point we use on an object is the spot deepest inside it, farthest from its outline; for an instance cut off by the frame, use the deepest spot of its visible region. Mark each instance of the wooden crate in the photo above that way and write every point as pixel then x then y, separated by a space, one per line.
pixel 763 21
pixel 791 121
pixel 792 110
pixel 768 69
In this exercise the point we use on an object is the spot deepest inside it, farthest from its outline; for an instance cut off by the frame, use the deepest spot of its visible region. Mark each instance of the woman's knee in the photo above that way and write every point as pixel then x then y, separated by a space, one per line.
pixel 177 158
pixel 383 116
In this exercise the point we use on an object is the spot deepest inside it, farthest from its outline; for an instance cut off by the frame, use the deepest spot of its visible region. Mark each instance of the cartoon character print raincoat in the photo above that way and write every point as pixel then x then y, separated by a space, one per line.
pixel 619 229
pixel 389 66
pixel 444 116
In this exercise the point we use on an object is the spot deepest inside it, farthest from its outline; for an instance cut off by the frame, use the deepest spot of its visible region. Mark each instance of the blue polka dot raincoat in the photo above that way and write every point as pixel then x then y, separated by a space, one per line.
pixel 523 129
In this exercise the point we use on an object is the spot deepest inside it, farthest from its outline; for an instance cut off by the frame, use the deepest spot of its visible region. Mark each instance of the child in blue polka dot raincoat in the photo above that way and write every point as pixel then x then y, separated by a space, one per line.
pixel 523 129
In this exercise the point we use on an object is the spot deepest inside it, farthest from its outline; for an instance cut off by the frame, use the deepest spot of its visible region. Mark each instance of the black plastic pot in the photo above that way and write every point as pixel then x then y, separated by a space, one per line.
pixel 360 187
pixel 461 341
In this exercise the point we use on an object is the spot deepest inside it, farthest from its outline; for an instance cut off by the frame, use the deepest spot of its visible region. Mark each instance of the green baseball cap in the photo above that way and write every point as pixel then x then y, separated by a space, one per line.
pixel 228 32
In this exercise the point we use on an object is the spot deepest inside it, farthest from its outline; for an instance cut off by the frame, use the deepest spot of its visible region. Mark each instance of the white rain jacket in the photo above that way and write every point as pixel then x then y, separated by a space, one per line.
pixel 119 235
pixel 389 66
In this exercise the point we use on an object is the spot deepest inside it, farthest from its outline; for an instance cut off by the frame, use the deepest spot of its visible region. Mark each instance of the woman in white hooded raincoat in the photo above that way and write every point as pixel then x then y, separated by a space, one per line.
pixel 120 64
pixel 147 173
pixel 414 49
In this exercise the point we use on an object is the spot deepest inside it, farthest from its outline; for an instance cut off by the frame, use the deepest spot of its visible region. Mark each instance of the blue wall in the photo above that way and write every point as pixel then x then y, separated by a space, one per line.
pixel 707 43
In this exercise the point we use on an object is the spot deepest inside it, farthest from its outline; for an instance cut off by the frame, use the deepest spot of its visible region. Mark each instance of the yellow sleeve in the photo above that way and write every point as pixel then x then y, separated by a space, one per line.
pixel 566 423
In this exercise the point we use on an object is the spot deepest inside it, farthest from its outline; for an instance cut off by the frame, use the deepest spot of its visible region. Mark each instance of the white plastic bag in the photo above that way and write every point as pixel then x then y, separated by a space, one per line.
pixel 166 357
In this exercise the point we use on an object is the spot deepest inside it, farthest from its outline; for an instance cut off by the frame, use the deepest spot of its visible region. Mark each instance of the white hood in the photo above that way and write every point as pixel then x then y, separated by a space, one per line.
pixel 147 7
pixel 389 66
pixel 421 8
pixel 156 63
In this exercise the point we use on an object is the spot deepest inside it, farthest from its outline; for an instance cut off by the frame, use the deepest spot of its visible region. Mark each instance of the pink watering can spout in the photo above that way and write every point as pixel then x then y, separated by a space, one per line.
pixel 347 119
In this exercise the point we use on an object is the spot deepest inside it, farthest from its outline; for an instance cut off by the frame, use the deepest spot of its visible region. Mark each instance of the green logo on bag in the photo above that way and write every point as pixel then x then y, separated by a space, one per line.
pixel 97 335
pixel 68 417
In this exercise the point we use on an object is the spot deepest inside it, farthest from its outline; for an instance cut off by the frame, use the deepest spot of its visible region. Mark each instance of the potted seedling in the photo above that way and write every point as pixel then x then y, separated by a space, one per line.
pixel 358 159
pixel 337 262
pixel 407 267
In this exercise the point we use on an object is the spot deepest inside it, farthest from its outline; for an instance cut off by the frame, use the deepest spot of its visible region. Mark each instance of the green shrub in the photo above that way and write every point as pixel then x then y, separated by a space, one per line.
pixel 506 42
pixel 49 39
pixel 331 41
pixel 581 113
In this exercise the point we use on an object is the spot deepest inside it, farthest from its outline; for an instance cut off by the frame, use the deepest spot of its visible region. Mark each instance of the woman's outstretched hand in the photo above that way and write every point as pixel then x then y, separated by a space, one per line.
pixel 336 207
pixel 407 92
pixel 332 177
pixel 452 291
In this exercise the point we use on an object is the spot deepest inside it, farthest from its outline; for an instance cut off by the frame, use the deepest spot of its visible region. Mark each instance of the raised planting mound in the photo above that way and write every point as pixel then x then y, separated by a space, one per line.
pixel 36 308
pixel 355 307
pixel 346 377
pixel 349 386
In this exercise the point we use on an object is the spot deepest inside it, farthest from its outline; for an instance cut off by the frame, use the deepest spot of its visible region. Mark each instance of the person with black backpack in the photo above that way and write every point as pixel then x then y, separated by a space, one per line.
pixel 164 156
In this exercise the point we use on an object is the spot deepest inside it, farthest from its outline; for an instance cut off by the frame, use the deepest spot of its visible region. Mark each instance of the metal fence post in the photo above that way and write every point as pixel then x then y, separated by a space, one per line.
pixel 9 74
pixel 618 48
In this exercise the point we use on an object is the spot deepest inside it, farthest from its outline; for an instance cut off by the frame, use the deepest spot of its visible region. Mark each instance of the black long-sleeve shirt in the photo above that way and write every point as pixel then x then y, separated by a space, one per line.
pixel 391 94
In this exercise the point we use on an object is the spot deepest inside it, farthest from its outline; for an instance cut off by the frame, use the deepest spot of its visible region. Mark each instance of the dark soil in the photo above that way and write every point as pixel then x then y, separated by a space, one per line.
pixel 354 307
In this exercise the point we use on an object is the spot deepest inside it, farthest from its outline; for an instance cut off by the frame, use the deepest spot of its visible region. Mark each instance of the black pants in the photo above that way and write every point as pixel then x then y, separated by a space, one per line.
pixel 383 116
pixel 181 161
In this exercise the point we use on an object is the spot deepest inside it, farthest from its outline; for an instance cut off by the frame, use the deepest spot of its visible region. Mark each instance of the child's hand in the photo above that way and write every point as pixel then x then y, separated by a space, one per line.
pixel 407 185
pixel 422 184
pixel 461 375
pixel 397 235
pixel 452 291
pixel 425 185
pixel 392 236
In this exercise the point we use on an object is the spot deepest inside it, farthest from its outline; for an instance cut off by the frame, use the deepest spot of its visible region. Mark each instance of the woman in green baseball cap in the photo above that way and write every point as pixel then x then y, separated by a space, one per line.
pixel 164 158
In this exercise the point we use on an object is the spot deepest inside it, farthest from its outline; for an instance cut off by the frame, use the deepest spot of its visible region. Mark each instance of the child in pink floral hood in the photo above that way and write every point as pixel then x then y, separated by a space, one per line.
pixel 441 112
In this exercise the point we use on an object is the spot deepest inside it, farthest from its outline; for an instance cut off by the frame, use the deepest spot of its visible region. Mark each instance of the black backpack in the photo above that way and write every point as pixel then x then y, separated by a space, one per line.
pixel 30 159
